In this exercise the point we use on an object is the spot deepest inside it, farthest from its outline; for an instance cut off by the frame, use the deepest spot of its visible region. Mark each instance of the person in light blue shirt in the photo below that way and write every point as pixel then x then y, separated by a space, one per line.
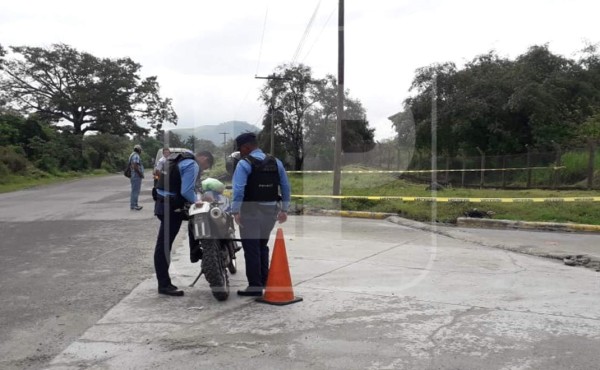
pixel 259 183
pixel 137 174
pixel 176 187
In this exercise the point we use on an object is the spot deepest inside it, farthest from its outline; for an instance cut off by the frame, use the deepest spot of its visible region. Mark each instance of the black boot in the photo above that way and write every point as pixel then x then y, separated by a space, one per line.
pixel 171 291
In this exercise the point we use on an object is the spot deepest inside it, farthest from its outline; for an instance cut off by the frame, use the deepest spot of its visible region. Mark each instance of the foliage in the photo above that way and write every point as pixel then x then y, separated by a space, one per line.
pixel 91 94
pixel 13 160
pixel 304 112
pixel 502 105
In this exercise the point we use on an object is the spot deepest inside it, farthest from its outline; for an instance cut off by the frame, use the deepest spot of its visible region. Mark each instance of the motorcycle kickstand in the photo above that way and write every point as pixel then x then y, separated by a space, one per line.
pixel 197 278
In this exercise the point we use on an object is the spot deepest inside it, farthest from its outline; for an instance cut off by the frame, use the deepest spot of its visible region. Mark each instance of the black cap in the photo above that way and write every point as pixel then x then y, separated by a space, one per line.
pixel 245 138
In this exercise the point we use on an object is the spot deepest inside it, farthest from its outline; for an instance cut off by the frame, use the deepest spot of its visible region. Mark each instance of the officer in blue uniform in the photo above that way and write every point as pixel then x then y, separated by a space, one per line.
pixel 257 180
pixel 176 187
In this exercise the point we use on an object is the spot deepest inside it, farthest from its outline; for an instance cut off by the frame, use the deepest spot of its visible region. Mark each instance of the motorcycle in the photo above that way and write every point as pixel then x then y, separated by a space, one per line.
pixel 214 228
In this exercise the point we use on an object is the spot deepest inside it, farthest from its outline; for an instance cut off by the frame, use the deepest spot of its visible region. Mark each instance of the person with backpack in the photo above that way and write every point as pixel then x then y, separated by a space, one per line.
pixel 175 189
pixel 136 171
pixel 257 181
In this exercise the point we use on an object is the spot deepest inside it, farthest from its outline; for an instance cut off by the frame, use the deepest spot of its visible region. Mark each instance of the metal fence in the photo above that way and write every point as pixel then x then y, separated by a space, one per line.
pixel 575 168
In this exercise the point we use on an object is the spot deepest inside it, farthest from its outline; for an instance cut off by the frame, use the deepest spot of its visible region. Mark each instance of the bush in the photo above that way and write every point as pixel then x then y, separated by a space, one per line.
pixel 48 164
pixel 16 163
pixel 4 173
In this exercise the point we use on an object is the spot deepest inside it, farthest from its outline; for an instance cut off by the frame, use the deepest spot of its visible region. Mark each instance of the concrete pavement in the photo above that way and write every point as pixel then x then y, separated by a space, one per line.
pixel 547 244
pixel 377 295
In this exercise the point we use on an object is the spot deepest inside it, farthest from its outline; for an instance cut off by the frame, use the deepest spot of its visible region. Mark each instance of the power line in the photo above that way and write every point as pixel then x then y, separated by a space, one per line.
pixel 319 35
pixel 262 38
pixel 306 33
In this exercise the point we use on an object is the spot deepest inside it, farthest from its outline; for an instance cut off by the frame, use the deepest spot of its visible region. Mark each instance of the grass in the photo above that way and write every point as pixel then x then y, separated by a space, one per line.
pixel 37 178
pixel 388 185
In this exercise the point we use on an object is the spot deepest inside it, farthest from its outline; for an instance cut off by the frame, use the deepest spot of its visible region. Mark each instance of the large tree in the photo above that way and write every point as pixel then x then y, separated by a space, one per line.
pixel 305 112
pixel 502 105
pixel 82 92
pixel 293 92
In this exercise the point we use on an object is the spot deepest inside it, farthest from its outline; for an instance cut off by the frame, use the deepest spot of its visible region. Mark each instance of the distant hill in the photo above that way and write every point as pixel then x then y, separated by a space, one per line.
pixel 213 132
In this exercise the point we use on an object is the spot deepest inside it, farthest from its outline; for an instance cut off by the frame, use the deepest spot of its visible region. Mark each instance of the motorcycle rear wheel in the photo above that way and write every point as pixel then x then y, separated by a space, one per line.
pixel 214 271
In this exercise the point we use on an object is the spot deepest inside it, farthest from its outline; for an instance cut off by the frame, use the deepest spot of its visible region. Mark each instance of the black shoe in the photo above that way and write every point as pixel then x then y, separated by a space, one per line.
pixel 137 208
pixel 237 247
pixel 173 286
pixel 195 254
pixel 250 292
pixel 171 290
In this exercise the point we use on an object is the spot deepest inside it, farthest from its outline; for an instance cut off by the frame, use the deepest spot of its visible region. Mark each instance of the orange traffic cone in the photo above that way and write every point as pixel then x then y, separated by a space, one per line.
pixel 279 283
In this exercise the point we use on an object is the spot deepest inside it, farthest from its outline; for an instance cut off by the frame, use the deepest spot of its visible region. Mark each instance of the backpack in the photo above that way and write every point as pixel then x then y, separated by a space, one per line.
pixel 127 170
pixel 263 181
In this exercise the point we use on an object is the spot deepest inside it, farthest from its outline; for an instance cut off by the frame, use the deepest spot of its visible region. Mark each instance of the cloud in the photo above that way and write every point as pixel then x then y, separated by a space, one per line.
pixel 206 53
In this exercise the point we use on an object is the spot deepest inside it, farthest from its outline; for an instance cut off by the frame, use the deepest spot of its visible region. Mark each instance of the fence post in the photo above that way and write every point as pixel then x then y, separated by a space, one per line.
pixel 528 165
pixel 482 168
pixel 591 160
pixel 503 172
pixel 464 166
pixel 447 178
pixel 557 164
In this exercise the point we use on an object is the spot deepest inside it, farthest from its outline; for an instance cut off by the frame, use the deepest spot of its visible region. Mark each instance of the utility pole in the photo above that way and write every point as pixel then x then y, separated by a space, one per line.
pixel 272 77
pixel 340 105
pixel 224 143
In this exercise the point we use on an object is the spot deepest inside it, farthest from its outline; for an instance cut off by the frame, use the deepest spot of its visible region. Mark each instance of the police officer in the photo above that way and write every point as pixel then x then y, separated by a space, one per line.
pixel 257 180
pixel 175 188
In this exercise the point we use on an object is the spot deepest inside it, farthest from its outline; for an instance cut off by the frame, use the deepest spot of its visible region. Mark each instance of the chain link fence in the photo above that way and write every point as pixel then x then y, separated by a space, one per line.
pixel 575 168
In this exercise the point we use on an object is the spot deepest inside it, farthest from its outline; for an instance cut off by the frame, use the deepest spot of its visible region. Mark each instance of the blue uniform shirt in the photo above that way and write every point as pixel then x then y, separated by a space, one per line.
pixel 240 178
pixel 190 171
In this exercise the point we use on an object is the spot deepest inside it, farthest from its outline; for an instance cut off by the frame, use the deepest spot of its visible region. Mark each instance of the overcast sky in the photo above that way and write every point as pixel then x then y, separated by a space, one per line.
pixel 206 53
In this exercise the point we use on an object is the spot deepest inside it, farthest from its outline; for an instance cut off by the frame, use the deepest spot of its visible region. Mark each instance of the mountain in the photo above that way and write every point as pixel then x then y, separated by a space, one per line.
pixel 214 132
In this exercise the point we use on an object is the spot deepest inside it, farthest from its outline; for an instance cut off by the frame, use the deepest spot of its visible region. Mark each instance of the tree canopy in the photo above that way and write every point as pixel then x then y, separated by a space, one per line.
pixel 83 92
pixel 305 112
pixel 502 105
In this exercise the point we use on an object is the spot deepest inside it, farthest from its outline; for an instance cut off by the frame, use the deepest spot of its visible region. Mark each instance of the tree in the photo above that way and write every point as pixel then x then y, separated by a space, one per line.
pixel 294 92
pixel 2 54
pixel 502 105
pixel 88 93
pixel 170 139
pixel 196 144
pixel 305 113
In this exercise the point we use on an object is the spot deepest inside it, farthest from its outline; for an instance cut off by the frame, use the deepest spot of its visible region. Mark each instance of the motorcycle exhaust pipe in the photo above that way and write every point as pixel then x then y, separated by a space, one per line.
pixel 216 213
pixel 218 218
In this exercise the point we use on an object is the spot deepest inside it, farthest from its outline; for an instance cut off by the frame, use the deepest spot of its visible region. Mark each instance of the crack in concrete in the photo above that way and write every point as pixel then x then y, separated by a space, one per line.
pixel 593 264
pixel 453 321
pixel 499 309
pixel 359 260
pixel 514 262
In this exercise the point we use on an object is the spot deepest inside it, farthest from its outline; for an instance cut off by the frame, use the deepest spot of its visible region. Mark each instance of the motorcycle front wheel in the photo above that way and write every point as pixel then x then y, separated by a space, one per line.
pixel 214 271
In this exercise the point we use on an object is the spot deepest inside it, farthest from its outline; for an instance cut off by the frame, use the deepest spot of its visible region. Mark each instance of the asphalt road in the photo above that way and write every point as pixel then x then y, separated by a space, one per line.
pixel 69 252
pixel 77 290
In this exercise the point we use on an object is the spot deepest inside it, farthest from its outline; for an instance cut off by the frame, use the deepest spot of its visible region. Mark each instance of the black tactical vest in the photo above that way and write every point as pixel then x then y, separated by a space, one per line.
pixel 170 178
pixel 263 182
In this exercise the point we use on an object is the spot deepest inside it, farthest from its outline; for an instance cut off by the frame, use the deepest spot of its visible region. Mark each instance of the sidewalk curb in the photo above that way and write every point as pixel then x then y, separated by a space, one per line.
pixel 347 214
pixel 584 260
pixel 525 225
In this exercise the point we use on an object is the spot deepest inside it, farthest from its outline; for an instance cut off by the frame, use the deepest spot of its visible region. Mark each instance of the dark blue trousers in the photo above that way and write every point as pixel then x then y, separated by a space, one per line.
pixel 170 223
pixel 257 223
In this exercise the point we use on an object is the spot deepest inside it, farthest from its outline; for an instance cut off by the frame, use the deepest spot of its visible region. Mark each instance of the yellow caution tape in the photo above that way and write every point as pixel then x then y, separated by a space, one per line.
pixel 456 200
pixel 444 170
